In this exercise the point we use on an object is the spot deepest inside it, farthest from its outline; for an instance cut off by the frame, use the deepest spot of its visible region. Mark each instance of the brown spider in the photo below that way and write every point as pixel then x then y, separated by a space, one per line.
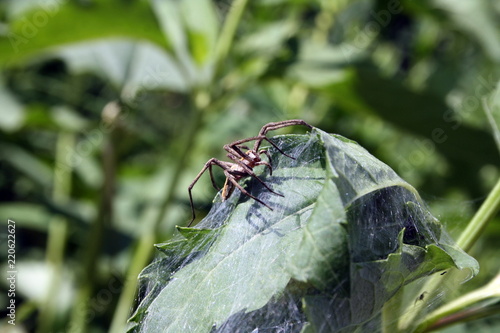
pixel 244 163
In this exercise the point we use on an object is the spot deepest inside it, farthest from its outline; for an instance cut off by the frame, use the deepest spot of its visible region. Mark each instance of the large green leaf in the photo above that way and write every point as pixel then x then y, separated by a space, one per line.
pixel 345 237
pixel 63 22
pixel 131 65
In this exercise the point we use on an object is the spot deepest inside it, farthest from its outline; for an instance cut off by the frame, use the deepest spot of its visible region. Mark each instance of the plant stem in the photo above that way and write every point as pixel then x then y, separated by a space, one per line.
pixel 464 316
pixel 57 233
pixel 139 260
pixel 492 289
pixel 480 220
pixel 82 313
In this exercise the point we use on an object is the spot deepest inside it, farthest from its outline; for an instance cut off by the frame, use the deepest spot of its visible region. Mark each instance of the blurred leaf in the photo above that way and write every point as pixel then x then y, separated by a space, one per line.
pixel 11 112
pixel 27 215
pixel 427 114
pixel 60 23
pixel 68 119
pixel 267 40
pixel 170 19
pixel 192 34
pixel 27 163
pixel 17 8
pixel 321 65
pixel 35 285
pixel 128 64
pixel 202 23
pixel 477 19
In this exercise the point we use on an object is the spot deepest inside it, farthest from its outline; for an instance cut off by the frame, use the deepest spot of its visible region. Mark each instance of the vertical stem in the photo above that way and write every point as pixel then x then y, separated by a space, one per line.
pixel 82 314
pixel 57 233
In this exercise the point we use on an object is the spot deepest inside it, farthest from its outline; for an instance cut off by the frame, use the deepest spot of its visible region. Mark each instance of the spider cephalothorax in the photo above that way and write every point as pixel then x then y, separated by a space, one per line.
pixel 245 159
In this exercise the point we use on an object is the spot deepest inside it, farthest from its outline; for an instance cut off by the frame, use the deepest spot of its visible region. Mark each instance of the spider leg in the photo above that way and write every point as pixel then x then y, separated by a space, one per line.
pixel 213 161
pixel 268 164
pixel 264 151
pixel 280 124
pixel 234 148
pixel 214 184
pixel 277 125
pixel 232 179
pixel 275 146
pixel 258 141
pixel 250 172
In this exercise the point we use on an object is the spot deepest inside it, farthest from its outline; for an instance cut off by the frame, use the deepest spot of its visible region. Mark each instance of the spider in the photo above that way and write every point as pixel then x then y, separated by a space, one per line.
pixel 244 162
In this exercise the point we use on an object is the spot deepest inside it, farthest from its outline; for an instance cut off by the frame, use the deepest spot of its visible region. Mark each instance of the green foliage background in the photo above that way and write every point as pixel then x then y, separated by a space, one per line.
pixel 108 109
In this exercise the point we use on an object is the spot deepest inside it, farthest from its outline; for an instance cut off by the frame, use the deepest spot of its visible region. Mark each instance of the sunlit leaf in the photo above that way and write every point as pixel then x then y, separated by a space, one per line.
pixel 131 65
pixel 477 19
pixel 27 215
pixel 57 23
pixel 27 163
pixel 11 112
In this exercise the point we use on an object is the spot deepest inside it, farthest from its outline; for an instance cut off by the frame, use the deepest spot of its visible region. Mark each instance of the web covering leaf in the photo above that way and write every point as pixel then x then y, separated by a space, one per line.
pixel 348 234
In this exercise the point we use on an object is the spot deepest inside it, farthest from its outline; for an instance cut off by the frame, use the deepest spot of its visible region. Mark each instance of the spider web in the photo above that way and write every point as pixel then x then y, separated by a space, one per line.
pixel 348 236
